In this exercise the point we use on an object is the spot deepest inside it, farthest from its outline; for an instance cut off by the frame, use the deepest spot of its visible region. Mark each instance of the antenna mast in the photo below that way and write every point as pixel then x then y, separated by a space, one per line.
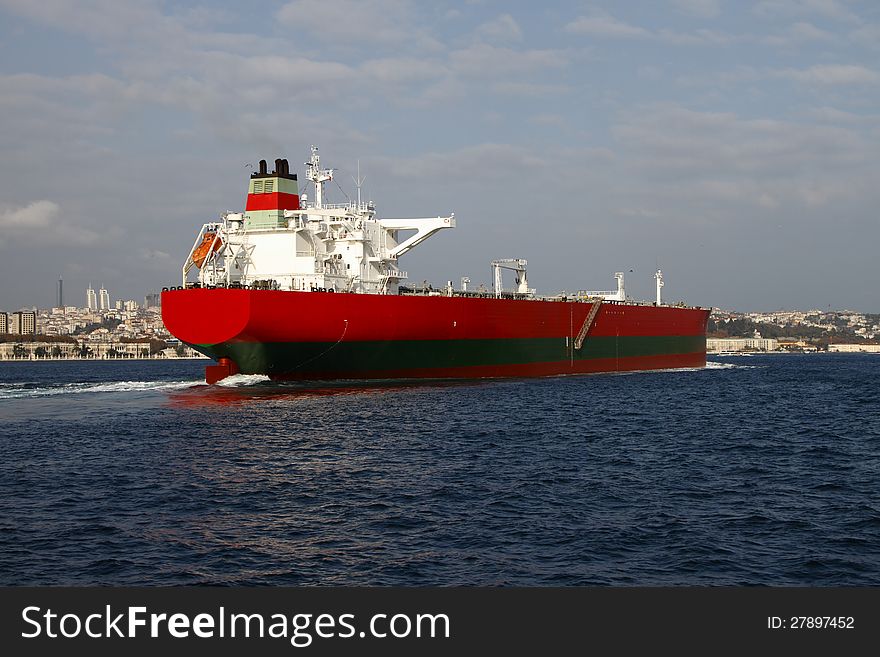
pixel 317 175
pixel 359 182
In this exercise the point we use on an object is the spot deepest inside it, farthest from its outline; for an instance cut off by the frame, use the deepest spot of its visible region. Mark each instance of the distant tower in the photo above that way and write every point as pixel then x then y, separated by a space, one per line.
pixel 91 299
pixel 659 278
pixel 60 292
pixel 105 299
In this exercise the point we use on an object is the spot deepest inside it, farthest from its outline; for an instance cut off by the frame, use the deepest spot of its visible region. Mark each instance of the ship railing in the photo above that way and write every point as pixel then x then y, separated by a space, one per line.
pixel 356 207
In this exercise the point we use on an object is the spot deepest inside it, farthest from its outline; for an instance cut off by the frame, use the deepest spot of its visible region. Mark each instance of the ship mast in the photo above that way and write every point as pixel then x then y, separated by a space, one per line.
pixel 317 175
pixel 659 278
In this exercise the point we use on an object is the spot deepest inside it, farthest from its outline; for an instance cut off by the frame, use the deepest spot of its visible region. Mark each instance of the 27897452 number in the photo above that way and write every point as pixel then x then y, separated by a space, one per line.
pixel 811 622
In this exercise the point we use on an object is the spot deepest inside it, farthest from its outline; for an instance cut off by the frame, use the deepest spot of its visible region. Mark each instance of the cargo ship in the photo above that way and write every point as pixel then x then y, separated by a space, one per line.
pixel 298 288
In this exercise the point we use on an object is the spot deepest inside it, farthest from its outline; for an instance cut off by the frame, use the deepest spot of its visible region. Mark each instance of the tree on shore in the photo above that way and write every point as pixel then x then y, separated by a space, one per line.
pixel 20 351
pixel 156 346
pixel 41 352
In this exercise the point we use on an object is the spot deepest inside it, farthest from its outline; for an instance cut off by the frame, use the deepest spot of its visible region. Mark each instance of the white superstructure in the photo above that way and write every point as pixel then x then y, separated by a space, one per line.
pixel 608 295
pixel 315 246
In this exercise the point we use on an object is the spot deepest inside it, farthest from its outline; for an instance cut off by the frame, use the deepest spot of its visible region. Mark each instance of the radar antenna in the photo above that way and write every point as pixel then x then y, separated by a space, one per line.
pixel 317 175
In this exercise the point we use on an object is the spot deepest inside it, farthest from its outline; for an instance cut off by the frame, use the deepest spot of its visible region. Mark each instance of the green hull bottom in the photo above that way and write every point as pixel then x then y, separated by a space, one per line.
pixel 456 357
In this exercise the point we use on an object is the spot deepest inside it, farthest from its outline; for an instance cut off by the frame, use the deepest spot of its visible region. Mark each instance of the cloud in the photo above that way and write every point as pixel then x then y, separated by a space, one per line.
pixel 838 116
pixel 485 61
pixel 699 37
pixel 549 119
pixel 153 254
pixel 402 70
pixel 357 23
pixel 529 89
pixel 493 162
pixel 605 25
pixel 503 28
pixel 867 35
pixel 723 157
pixel 832 74
pixel 601 24
pixel 799 34
pixel 825 8
pixel 701 8
pixel 38 222
pixel 103 19
pixel 32 216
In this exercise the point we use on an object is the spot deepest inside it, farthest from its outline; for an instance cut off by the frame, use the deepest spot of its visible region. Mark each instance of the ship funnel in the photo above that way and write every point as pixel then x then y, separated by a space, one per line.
pixel 269 195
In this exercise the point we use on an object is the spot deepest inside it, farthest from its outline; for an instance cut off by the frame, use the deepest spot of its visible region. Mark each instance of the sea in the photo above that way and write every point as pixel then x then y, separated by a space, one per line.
pixel 757 470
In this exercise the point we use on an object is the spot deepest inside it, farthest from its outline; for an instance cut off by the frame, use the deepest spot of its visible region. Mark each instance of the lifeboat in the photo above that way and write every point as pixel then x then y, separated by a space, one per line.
pixel 202 250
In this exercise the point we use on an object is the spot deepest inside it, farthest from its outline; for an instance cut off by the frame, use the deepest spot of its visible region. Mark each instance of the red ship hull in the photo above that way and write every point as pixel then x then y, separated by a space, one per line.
pixel 314 335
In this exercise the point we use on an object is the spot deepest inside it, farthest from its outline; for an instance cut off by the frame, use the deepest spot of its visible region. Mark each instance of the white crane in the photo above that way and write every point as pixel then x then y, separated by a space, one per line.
pixel 517 265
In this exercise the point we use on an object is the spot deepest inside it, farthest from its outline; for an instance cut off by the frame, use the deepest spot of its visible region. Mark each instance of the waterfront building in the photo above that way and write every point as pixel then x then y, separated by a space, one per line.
pixel 24 322
pixel 4 323
pixel 741 344
pixel 104 299
pixel 855 348
pixel 91 299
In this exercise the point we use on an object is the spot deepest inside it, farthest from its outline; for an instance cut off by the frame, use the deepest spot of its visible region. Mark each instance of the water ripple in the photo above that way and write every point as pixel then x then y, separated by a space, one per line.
pixel 753 471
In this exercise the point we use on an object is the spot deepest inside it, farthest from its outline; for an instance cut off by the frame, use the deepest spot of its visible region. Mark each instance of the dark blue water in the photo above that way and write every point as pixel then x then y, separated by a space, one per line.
pixel 758 470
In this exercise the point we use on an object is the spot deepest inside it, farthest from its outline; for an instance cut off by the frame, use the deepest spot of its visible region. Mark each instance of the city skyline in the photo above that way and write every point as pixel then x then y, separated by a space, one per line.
pixel 150 299
pixel 156 295
pixel 734 144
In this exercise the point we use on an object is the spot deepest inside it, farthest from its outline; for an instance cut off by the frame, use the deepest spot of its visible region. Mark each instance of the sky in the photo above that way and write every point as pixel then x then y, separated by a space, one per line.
pixel 735 144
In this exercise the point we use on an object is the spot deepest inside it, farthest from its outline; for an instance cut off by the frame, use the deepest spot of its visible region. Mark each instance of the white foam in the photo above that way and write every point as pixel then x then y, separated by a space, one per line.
pixel 13 392
pixel 715 365
pixel 239 380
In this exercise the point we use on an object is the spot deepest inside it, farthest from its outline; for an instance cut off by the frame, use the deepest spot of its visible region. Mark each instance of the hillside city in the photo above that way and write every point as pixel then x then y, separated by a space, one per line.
pixel 129 329
pixel 100 330
pixel 793 330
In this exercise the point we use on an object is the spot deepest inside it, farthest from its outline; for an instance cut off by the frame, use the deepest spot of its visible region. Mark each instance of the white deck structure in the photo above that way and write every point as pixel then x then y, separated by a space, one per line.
pixel 328 247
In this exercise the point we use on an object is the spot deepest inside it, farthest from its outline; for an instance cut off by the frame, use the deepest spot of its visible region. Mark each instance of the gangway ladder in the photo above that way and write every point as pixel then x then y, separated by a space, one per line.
pixel 588 323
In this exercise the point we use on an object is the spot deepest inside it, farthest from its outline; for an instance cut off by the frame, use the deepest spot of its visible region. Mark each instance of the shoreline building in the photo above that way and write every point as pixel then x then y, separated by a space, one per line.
pixel 24 322
pixel 91 299
pixel 854 348
pixel 714 345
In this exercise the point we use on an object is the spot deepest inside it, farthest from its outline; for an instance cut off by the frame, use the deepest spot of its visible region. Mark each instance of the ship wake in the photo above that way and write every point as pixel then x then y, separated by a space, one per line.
pixel 715 365
pixel 25 390
pixel 242 380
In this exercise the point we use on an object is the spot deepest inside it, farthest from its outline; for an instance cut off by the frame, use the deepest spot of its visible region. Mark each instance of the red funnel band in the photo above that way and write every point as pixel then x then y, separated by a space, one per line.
pixel 274 201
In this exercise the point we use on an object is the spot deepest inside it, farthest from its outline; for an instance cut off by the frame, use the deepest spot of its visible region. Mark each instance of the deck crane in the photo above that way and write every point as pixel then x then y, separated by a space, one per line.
pixel 517 265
